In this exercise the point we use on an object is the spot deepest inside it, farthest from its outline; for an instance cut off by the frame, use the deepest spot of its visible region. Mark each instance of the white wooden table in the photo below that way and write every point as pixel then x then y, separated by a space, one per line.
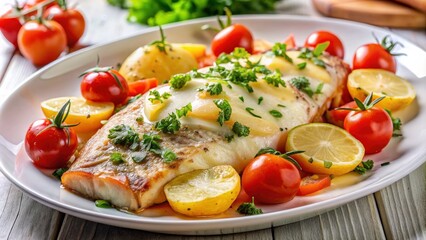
pixel 396 212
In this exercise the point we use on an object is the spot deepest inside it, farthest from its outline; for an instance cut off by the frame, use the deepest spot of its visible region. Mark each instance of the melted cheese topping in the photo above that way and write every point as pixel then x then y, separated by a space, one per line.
pixel 287 68
pixel 294 106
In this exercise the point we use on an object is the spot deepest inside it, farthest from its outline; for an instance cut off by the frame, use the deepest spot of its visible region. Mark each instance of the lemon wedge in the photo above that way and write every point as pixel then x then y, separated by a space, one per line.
pixel 203 192
pixel 398 92
pixel 328 149
pixel 88 114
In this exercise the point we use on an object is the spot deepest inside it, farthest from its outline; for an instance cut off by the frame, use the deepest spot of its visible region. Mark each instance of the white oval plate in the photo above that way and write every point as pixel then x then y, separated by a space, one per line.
pixel 61 79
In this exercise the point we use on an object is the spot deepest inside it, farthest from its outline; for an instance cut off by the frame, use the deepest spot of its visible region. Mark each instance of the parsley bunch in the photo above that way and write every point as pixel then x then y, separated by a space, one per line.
pixel 125 136
pixel 159 12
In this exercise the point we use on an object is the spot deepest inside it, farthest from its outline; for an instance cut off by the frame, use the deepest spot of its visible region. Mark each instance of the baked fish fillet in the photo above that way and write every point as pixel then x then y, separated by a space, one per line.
pixel 201 142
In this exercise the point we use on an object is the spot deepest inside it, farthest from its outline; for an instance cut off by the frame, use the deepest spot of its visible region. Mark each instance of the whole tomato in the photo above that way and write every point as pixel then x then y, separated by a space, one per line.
pixel 234 36
pixel 231 37
pixel 335 48
pixel 42 41
pixel 271 179
pixel 70 19
pixel 372 126
pixel 373 55
pixel 10 25
pixel 104 85
pixel 49 143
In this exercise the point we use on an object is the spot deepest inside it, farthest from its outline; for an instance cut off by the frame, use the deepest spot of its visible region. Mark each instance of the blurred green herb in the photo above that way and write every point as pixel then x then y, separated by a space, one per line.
pixel 159 12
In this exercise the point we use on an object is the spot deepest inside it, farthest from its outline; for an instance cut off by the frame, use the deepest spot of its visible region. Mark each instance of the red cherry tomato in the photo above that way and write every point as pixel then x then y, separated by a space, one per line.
pixel 337 116
pixel 104 85
pixel 373 55
pixel 313 183
pixel 290 41
pixel 70 19
pixel 271 179
pixel 206 61
pixel 9 26
pixel 141 86
pixel 372 127
pixel 49 143
pixel 335 48
pixel 234 36
pixel 41 43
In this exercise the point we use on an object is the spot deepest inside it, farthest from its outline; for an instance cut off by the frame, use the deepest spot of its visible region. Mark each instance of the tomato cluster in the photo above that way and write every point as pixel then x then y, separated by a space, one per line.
pixel 42 37
pixel 270 178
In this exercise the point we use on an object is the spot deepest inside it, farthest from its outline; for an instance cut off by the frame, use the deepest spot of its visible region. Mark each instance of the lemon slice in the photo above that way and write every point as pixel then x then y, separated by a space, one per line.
pixel 328 149
pixel 399 93
pixel 203 192
pixel 197 50
pixel 88 114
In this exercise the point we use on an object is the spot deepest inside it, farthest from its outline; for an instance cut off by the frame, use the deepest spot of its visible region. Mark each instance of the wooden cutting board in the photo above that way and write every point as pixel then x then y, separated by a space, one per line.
pixel 377 12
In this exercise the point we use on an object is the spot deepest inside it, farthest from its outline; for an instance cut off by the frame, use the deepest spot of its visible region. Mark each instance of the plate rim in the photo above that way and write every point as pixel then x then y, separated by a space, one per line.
pixel 205 224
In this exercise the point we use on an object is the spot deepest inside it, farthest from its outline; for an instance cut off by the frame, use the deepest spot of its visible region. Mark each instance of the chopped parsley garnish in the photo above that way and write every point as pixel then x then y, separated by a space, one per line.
pixel 313 55
pixel 238 53
pixel 182 112
pixel 178 81
pixel 300 82
pixel 116 158
pixel 319 62
pixel 229 138
pixel 249 208
pixel 303 84
pixel 280 50
pixel 169 124
pixel 250 110
pixel 275 113
pixel 214 89
pixel 59 172
pixel 240 129
pixel 124 135
pixel 385 164
pixel 364 167
pixel 328 164
pixel 274 79
pixel 102 204
pixel 241 98
pixel 396 123
pixel 168 155
pixel 158 97
pixel 320 48
pixel 301 65
pixel 138 157
pixel 139 120
pixel 242 77
pixel 151 142
pixel 280 105
pixel 225 110
pixel 310 160
pixel 259 100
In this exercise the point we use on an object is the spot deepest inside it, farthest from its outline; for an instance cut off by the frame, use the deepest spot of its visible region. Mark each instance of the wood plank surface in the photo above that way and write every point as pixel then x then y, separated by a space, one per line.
pixel 403 204
pixel 401 207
